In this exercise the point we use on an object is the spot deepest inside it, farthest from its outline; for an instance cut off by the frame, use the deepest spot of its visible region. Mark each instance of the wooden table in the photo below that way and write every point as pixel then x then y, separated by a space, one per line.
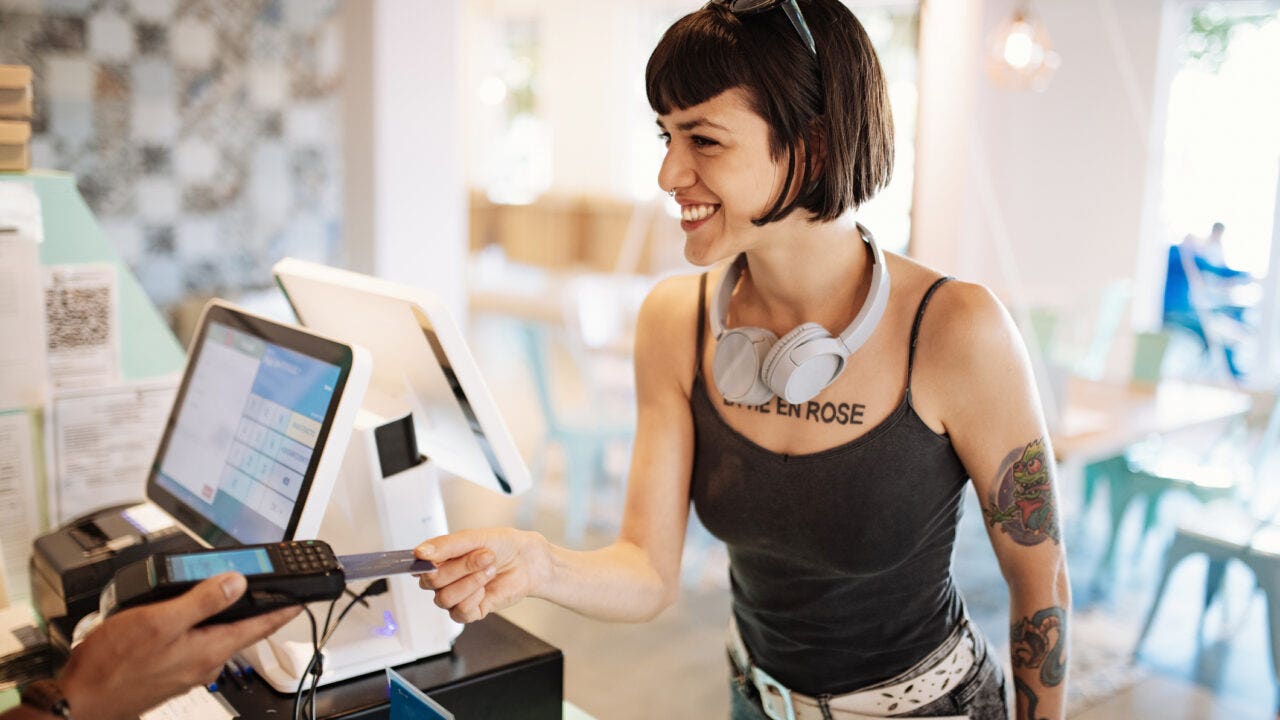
pixel 1103 418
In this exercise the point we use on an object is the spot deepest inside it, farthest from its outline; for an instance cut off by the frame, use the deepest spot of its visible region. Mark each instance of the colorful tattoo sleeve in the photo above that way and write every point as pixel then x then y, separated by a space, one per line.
pixel 1022 501
pixel 1039 642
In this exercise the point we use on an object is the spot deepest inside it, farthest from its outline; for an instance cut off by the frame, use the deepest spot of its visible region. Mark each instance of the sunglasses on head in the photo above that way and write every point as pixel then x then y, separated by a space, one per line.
pixel 790 7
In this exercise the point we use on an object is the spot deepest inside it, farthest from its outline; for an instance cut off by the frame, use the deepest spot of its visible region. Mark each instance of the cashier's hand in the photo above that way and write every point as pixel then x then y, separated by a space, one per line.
pixel 138 658
pixel 480 571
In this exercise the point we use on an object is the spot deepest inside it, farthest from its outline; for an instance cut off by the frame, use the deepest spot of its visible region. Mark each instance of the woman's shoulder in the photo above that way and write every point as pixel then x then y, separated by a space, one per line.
pixel 961 327
pixel 672 300
pixel 955 304
pixel 962 322
pixel 667 326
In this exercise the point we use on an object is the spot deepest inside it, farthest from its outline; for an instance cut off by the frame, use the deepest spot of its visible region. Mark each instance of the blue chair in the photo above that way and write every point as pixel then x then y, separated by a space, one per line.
pixel 584 439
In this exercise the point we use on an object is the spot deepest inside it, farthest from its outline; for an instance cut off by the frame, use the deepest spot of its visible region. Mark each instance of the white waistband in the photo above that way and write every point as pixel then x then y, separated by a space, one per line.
pixel 919 686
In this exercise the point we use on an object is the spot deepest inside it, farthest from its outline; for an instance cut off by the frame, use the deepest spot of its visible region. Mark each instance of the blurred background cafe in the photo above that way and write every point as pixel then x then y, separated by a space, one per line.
pixel 1109 168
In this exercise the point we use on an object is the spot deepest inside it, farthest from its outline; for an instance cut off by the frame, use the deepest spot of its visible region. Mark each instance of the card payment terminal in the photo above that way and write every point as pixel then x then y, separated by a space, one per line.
pixel 279 575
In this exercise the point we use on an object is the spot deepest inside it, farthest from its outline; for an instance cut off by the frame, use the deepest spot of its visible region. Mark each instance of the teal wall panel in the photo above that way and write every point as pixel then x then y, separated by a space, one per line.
pixel 73 235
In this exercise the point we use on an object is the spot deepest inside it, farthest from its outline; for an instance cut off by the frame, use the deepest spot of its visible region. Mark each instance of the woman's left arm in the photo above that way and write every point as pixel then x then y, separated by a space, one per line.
pixel 987 401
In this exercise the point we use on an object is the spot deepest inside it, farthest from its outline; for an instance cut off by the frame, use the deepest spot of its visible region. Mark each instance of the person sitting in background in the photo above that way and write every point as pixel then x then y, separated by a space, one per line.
pixel 141 657
pixel 1209 249
pixel 1179 308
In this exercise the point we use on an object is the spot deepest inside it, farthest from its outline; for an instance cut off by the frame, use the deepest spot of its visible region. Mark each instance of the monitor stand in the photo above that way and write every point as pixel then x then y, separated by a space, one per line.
pixel 370 512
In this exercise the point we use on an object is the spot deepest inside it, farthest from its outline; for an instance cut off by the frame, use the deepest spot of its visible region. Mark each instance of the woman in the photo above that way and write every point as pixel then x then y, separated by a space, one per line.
pixel 835 481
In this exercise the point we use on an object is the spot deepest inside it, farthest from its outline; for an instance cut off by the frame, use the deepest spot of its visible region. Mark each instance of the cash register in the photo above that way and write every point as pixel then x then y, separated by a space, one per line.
pixel 408 405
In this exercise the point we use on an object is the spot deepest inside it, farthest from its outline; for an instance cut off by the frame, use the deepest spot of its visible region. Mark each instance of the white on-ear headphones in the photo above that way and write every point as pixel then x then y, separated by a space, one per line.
pixel 752 365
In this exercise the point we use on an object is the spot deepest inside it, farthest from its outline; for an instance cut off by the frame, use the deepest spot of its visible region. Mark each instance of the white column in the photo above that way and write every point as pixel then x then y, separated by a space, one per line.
pixel 950 42
pixel 1153 236
pixel 1269 336
pixel 405 199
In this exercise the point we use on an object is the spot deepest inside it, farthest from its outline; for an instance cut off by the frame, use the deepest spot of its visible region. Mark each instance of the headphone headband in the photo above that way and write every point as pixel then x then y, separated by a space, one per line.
pixel 864 323
pixel 753 365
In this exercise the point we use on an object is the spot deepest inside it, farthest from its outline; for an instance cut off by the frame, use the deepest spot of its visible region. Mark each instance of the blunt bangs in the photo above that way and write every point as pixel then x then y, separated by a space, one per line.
pixel 698 58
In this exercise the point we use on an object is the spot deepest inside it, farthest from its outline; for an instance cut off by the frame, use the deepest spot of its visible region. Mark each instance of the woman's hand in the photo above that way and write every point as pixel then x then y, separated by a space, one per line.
pixel 141 657
pixel 480 571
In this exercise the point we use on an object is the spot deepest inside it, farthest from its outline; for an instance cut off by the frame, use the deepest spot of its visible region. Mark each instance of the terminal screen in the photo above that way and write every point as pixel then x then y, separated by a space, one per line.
pixel 244 436
pixel 198 566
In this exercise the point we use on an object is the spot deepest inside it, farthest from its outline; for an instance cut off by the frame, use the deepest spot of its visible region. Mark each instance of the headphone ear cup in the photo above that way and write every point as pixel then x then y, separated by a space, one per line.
pixel 803 363
pixel 740 354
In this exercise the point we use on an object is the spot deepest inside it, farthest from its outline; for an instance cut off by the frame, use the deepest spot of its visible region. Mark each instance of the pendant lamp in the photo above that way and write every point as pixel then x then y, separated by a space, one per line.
pixel 1020 54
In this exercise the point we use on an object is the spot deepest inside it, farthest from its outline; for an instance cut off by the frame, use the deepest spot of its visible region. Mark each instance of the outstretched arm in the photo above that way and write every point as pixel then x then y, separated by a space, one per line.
pixel 635 578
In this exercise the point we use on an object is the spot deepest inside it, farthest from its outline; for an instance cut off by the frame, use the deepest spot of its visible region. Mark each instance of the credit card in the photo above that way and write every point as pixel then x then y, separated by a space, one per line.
pixel 382 564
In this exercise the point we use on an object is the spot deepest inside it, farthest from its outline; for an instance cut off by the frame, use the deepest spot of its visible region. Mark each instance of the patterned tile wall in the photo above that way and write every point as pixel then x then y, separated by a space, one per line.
pixel 204 134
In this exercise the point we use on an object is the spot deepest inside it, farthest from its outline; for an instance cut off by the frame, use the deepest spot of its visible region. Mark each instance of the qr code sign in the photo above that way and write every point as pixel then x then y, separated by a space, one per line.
pixel 78 317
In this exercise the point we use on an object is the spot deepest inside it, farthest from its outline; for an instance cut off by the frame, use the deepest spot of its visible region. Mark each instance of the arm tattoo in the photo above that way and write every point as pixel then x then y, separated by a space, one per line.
pixel 1040 641
pixel 1026 701
pixel 1021 501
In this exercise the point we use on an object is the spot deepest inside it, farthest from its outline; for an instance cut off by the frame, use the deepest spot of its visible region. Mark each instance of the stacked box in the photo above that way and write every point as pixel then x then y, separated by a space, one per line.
pixel 16 104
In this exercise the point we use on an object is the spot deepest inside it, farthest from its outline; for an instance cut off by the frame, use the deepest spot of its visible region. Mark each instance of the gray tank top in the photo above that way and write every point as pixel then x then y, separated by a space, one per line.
pixel 840 560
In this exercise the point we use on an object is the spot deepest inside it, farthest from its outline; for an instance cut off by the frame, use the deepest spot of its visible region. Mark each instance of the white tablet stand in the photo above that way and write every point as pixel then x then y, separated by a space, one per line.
pixel 423 371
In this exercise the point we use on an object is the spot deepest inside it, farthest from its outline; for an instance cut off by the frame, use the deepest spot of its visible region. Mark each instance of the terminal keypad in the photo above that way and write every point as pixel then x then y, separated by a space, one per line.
pixel 306 557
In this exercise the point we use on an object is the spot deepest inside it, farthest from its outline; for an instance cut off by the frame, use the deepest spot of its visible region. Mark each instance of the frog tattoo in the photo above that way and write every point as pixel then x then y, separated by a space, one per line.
pixel 1022 502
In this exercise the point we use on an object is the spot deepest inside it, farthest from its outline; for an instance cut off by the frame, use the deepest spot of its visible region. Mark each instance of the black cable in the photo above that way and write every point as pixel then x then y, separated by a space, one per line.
pixel 377 587
pixel 315 667
pixel 329 633
pixel 311 696
pixel 315 653
pixel 329 614
pixel 315 674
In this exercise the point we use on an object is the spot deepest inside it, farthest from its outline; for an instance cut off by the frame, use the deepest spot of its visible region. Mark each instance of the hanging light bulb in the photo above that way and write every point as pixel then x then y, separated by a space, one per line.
pixel 1021 56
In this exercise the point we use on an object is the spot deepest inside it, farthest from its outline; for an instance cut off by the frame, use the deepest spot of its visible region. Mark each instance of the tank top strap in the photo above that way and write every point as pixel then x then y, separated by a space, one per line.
pixel 702 324
pixel 915 326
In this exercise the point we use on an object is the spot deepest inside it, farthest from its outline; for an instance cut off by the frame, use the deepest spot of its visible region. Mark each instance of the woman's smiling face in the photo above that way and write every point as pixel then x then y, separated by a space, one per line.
pixel 718 162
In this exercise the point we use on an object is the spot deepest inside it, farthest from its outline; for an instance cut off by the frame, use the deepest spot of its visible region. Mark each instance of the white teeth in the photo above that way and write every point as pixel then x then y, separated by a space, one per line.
pixel 694 213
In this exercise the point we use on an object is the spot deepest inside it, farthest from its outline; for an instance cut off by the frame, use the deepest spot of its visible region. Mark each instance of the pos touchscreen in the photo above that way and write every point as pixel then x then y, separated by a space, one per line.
pixel 246 434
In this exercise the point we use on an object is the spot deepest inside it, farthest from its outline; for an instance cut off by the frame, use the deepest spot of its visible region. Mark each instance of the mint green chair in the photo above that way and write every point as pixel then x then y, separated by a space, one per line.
pixel 1111 310
pixel 1230 531
pixel 583 439
pixel 1148 477
pixel 1148 357
pixel 1044 325
pixel 1148 471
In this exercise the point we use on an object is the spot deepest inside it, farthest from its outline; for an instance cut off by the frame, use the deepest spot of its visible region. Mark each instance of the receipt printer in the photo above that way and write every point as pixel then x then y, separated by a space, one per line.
pixel 71 565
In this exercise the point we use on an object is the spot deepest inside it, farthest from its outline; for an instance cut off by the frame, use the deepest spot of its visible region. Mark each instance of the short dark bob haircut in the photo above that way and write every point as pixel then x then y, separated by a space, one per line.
pixel 838 103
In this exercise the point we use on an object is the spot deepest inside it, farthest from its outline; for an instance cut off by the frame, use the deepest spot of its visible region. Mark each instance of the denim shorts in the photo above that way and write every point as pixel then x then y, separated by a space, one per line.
pixel 980 694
